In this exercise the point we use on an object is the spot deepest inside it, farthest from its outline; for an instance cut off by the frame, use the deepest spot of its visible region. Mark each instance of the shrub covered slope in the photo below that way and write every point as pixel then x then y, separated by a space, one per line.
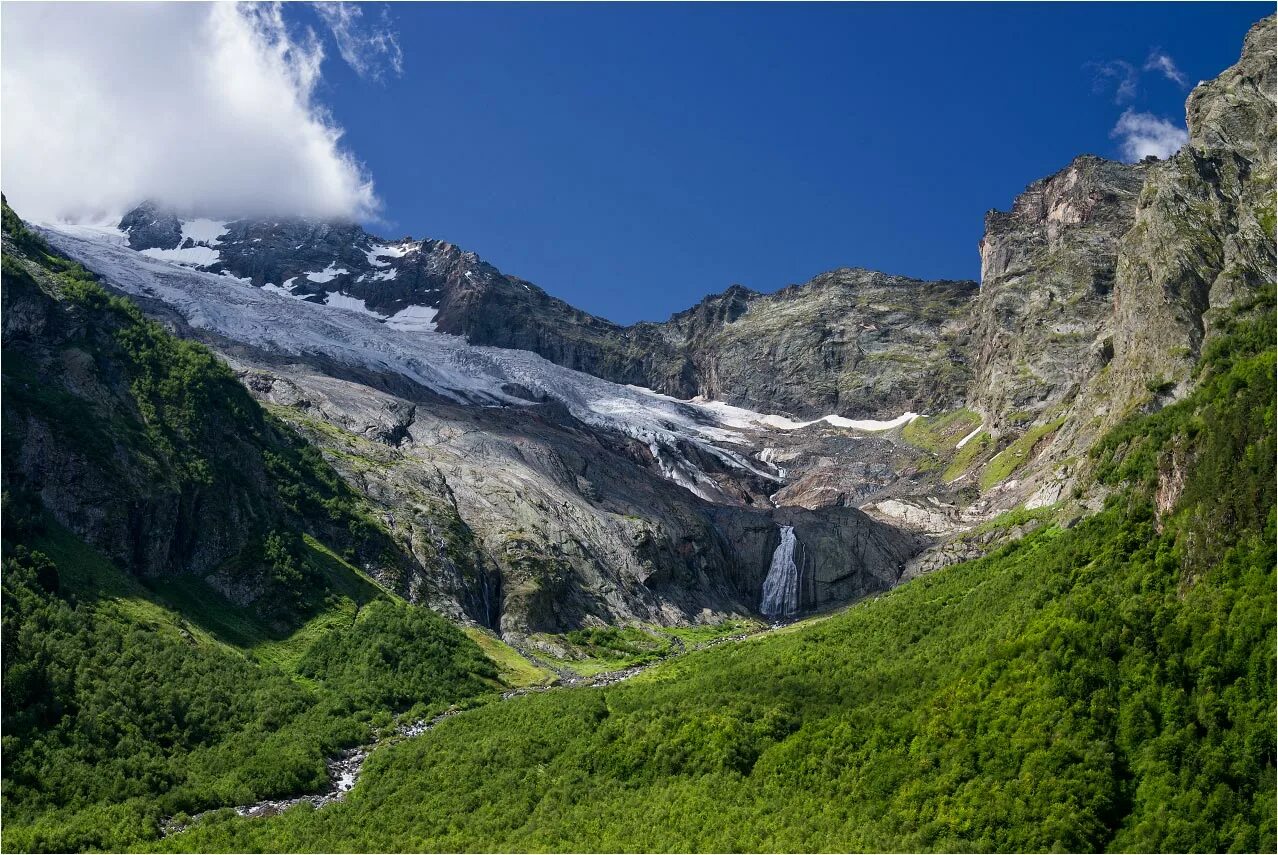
pixel 1105 686
pixel 133 688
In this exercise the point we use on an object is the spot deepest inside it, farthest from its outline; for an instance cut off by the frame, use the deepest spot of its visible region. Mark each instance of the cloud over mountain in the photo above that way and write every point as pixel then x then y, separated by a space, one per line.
pixel 207 107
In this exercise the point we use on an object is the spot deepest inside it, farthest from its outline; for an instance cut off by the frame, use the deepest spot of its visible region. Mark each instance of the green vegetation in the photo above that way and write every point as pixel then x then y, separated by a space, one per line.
pixel 966 456
pixel 1106 686
pixel 940 434
pixel 119 711
pixel 1017 454
pixel 512 668
pixel 131 696
pixel 596 650
pixel 704 632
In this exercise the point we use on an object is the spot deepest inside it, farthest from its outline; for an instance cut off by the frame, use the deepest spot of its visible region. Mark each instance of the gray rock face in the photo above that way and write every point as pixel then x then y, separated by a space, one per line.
pixel 852 342
pixel 1047 279
pixel 151 227
pixel 1203 239
pixel 559 525
pixel 1101 286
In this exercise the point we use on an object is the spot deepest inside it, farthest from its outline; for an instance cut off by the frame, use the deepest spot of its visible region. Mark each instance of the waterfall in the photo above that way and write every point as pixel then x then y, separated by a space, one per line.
pixel 781 588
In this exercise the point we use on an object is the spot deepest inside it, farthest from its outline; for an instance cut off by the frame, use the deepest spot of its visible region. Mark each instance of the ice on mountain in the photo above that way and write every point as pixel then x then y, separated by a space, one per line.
pixel 408 344
pixel 204 231
pixel 414 318
pixel 328 274
pixel 192 256
pixel 105 232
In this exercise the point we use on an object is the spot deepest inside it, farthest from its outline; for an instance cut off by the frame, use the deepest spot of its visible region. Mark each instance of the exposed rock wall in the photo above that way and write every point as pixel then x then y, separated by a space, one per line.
pixel 573 524
pixel 1203 239
pixel 1043 320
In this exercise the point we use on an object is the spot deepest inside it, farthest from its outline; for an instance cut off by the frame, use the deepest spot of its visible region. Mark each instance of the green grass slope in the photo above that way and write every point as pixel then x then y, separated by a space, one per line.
pixel 1104 687
pixel 131 695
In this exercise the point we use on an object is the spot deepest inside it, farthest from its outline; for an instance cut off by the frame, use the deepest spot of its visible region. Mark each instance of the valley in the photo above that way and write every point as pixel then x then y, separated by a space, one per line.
pixel 320 541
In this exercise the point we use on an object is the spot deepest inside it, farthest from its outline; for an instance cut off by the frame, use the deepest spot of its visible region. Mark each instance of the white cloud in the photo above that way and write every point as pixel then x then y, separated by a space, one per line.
pixel 369 49
pixel 1143 134
pixel 1161 62
pixel 208 108
pixel 1116 74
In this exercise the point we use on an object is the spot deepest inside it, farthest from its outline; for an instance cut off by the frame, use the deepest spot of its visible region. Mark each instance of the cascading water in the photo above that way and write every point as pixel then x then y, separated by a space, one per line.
pixel 781 588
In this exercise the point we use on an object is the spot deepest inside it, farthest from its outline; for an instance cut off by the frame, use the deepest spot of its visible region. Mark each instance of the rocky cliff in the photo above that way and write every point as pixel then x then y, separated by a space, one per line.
pixel 149 449
pixel 566 500
pixel 1193 244
pixel 850 342
pixel 1043 321
pixel 1203 239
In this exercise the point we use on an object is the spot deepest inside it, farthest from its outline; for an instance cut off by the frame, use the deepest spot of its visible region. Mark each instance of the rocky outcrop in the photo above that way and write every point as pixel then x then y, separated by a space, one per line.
pixel 572 526
pixel 1203 240
pixel 1047 280
pixel 148 449
pixel 150 226
pixel 1101 286
pixel 853 342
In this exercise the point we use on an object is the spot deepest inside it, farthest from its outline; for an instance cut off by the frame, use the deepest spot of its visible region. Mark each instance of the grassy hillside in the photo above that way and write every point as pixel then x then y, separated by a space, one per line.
pixel 134 687
pixel 1106 686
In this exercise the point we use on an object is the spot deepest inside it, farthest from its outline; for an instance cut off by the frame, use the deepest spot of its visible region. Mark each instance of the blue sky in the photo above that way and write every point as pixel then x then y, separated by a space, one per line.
pixel 628 158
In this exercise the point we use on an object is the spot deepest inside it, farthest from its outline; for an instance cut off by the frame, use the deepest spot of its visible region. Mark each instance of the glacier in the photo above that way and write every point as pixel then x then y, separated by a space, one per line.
pixel 407 344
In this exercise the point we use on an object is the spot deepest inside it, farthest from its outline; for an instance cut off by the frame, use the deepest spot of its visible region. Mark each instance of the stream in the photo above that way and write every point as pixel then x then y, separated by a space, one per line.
pixel 345 767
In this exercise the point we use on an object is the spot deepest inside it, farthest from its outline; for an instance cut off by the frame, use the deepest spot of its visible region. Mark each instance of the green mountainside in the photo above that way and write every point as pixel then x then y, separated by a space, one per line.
pixel 208 600
pixel 133 689
pixel 1104 686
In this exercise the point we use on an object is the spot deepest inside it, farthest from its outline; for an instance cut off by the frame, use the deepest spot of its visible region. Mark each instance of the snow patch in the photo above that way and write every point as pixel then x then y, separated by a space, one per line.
pixel 338 300
pixel 869 425
pixel 742 418
pixel 377 252
pixel 204 231
pixel 192 256
pixel 328 274
pixel 414 319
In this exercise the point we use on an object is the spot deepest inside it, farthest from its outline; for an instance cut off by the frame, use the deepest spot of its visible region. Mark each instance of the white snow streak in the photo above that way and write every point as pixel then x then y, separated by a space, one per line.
pixel 971 436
